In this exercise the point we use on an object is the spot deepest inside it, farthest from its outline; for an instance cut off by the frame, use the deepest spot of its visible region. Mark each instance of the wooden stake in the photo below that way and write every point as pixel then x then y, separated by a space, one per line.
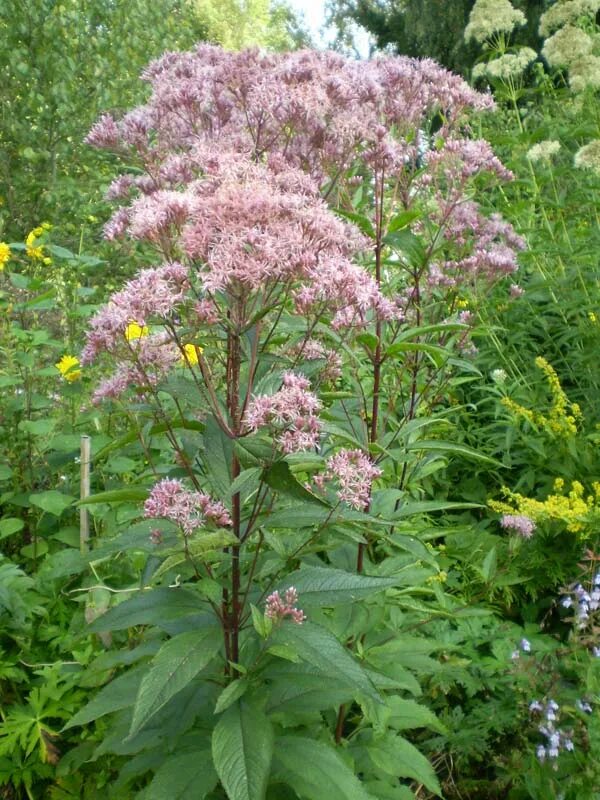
pixel 84 514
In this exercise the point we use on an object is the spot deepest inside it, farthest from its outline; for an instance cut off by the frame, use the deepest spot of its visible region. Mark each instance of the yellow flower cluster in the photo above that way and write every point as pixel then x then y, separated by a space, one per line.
pixel 134 331
pixel 33 248
pixel 562 417
pixel 191 354
pixel 68 368
pixel 573 508
pixel 4 255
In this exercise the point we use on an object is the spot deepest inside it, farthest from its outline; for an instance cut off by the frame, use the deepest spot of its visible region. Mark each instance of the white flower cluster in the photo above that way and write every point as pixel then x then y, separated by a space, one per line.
pixel 566 13
pixel 588 157
pixel 506 67
pixel 570 46
pixel 543 151
pixel 489 17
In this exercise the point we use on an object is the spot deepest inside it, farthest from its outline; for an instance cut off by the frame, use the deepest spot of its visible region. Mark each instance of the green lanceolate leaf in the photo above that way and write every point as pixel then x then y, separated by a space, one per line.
pixel 199 548
pixel 326 586
pixel 438 446
pixel 174 666
pixel 149 607
pixel 242 748
pixel 218 450
pixel 118 694
pixel 406 714
pixel 230 694
pixel 134 494
pixel 319 647
pixel 187 776
pixel 280 478
pixel 398 757
pixel 315 771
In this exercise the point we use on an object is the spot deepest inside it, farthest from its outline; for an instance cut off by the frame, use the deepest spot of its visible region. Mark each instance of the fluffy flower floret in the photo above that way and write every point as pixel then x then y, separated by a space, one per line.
pixel 251 232
pixel 169 499
pixel 292 411
pixel 354 473
pixel 277 608
pixel 346 290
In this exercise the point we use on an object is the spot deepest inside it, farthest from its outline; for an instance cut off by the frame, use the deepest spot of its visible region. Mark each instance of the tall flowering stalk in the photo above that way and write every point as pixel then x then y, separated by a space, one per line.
pixel 316 221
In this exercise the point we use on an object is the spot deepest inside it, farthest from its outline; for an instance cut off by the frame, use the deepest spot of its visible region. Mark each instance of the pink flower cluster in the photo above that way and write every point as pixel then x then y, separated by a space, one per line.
pixel 169 499
pixel 354 473
pixel 153 293
pixel 518 523
pixel 313 350
pixel 292 411
pixel 278 609
pixel 150 359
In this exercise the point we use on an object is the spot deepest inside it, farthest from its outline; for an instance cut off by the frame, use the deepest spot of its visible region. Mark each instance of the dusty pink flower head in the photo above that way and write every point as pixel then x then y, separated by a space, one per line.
pixel 354 472
pixel 153 293
pixel 169 499
pixel 292 412
pixel 518 523
pixel 277 608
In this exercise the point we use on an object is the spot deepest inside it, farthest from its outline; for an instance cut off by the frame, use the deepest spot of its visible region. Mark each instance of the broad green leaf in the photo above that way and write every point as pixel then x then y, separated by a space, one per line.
pixel 489 566
pixel 246 481
pixel 10 525
pixel 406 714
pixel 242 748
pixel 385 791
pixel 52 501
pixel 37 427
pixel 441 327
pixel 279 477
pixel 149 607
pixel 174 666
pixel 187 776
pixel 199 548
pixel 230 694
pixel 326 586
pixel 315 771
pixel 133 494
pixel 217 456
pixel 410 508
pixel 302 687
pixel 435 445
pixel 319 647
pixel 119 693
pixel 399 758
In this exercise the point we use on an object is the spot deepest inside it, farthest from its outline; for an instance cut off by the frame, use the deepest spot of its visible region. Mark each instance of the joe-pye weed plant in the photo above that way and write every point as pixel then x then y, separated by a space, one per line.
pixel 292 363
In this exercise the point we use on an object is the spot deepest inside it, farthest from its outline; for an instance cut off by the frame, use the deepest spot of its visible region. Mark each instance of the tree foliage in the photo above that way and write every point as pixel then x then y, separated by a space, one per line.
pixel 424 28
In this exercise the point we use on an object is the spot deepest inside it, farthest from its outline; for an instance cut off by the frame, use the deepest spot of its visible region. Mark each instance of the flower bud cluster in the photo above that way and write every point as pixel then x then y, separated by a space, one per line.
pixel 278 608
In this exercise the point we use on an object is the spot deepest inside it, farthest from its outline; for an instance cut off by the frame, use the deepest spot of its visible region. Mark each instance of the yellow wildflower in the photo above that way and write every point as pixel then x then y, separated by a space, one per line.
pixel 33 249
pixel 592 317
pixel 572 508
pixel 562 417
pixel 134 331
pixel 4 255
pixel 191 354
pixel 67 367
